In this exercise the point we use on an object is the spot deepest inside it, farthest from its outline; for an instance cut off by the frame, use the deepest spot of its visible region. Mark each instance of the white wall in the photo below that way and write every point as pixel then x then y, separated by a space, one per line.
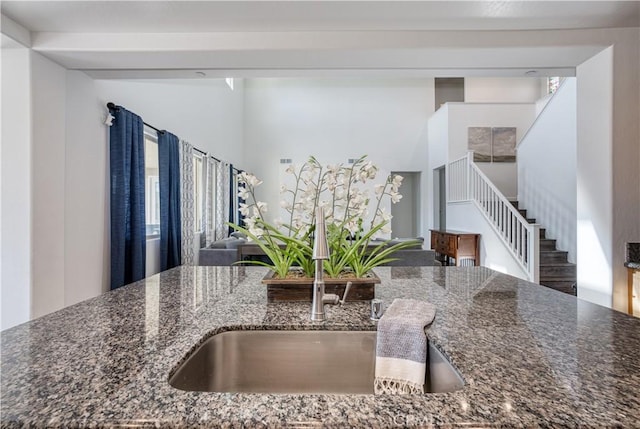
pixel 608 180
pixel 87 249
pixel 48 124
pixel 438 146
pixel 465 115
pixel 467 217
pixel 502 90
pixel 625 111
pixel 16 186
pixel 335 119
pixel 542 103
pixel 594 179
pixel 547 169
pixel 205 112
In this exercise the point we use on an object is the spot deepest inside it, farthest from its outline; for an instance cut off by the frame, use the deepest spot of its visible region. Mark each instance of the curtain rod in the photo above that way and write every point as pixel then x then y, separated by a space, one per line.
pixel 112 106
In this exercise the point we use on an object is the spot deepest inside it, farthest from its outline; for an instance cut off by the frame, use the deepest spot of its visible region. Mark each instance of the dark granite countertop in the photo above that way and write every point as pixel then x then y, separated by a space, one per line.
pixel 530 356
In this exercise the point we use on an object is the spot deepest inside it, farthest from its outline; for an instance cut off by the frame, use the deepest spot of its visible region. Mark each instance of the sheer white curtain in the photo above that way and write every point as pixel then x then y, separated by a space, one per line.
pixel 222 199
pixel 210 201
pixel 187 203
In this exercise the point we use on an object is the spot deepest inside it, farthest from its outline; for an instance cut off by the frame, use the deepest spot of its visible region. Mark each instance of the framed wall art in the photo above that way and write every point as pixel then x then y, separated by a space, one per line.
pixel 497 144
pixel 480 143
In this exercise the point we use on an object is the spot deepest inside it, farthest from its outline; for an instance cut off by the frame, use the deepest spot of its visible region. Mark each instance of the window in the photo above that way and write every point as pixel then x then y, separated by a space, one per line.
pixel 235 215
pixel 211 197
pixel 198 192
pixel 152 184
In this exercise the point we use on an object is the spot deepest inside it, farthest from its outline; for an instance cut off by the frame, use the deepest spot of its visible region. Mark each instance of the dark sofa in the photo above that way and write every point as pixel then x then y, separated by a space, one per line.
pixel 225 252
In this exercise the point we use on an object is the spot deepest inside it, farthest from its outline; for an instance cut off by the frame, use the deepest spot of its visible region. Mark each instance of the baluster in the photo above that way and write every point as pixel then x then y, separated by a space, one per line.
pixel 484 195
pixel 460 177
pixel 509 228
pixel 493 205
pixel 463 181
pixel 517 248
pixel 527 241
pixel 515 233
pixel 457 181
pixel 521 241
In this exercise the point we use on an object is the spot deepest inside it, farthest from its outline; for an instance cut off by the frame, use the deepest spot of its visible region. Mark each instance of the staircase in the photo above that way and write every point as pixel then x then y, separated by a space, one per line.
pixel 556 272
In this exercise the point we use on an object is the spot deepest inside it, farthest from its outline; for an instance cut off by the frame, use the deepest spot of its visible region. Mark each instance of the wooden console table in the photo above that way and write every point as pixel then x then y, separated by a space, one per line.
pixel 249 251
pixel 456 244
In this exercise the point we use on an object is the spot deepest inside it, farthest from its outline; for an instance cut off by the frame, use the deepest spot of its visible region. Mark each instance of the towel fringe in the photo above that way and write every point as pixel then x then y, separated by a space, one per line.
pixel 394 387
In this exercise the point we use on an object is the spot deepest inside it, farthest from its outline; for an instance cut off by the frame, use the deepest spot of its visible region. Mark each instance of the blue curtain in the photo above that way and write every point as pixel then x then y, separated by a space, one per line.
pixel 170 219
pixel 128 228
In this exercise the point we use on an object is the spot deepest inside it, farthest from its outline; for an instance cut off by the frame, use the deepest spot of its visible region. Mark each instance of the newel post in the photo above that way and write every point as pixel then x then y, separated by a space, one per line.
pixel 534 253
pixel 469 162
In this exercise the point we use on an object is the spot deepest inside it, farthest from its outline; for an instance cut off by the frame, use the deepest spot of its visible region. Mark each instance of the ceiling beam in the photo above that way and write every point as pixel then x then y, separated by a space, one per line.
pixel 357 50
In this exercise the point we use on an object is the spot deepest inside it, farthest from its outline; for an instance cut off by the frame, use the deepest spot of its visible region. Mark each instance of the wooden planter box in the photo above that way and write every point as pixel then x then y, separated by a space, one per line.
pixel 301 289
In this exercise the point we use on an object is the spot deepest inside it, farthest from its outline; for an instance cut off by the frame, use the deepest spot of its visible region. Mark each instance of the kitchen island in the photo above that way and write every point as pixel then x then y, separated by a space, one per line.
pixel 529 356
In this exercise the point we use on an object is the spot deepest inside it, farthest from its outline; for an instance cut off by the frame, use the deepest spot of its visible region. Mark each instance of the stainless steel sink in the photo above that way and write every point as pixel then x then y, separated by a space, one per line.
pixel 340 362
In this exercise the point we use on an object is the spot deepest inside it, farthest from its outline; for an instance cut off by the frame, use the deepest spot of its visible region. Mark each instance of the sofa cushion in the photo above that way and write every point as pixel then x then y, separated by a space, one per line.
pixel 233 242
pixel 227 243
pixel 419 242
pixel 238 234
pixel 221 244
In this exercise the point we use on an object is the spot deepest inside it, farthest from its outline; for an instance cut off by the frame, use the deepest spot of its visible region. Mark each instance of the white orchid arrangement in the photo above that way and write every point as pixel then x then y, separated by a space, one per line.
pixel 336 189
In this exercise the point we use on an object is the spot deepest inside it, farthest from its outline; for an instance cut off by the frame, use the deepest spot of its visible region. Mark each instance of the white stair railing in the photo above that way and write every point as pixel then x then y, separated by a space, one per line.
pixel 466 182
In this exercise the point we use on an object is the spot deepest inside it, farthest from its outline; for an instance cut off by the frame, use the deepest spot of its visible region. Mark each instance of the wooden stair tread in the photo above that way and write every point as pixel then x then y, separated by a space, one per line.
pixel 557 278
pixel 569 290
pixel 559 264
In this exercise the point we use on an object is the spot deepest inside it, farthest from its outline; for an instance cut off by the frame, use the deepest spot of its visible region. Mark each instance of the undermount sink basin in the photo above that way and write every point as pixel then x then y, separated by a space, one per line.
pixel 339 362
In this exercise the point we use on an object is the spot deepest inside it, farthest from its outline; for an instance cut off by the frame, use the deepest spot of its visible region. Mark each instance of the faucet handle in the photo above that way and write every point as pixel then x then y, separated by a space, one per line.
pixel 346 292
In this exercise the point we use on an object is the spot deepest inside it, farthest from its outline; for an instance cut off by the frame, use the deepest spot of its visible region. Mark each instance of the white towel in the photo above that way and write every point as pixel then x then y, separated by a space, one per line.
pixel 401 349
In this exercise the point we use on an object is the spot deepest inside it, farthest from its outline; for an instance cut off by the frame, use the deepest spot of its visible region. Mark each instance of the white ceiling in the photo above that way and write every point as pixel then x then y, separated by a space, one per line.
pixel 169 39
pixel 213 16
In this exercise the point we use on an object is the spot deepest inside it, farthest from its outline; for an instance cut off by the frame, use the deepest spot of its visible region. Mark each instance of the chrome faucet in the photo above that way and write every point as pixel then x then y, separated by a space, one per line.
pixel 320 253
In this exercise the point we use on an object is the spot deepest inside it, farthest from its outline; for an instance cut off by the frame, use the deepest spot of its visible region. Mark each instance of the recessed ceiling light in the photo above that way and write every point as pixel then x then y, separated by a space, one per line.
pixel 531 72
pixel 201 74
